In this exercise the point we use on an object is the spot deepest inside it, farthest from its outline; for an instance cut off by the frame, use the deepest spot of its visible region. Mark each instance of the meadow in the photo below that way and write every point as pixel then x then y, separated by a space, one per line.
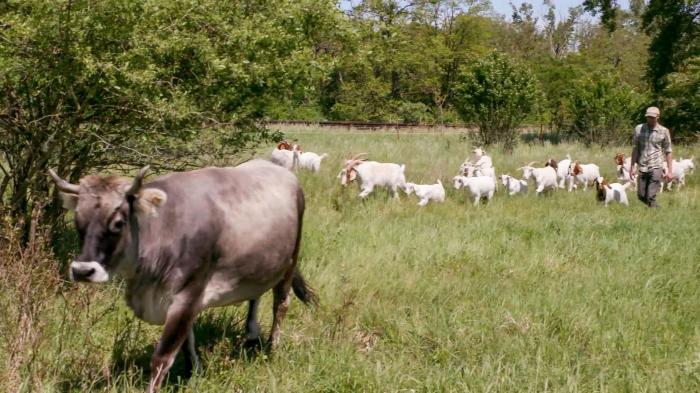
pixel 555 293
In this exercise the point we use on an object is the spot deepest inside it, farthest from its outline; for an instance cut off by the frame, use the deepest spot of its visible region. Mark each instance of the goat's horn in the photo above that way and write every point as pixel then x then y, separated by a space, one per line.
pixel 358 157
pixel 64 185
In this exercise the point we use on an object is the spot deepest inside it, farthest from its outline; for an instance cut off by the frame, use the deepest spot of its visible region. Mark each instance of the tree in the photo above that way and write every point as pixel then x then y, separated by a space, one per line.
pixel 602 108
pixel 497 94
pixel 675 30
pixel 681 99
pixel 90 85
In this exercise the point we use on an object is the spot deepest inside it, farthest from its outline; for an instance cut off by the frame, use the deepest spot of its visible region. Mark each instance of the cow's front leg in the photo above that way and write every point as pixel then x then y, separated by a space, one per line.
pixel 252 327
pixel 178 325
pixel 192 363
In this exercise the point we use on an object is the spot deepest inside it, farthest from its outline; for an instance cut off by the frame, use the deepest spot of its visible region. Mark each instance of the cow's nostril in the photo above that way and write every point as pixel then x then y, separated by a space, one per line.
pixel 83 273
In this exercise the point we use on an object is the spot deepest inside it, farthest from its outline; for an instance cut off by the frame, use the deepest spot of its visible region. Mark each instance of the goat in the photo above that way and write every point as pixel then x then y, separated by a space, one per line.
pixel 513 185
pixel 479 186
pixel 680 169
pixel 583 173
pixel 623 168
pixel 427 192
pixel 545 178
pixel 286 155
pixel 311 161
pixel 562 169
pixel 372 174
pixel 611 192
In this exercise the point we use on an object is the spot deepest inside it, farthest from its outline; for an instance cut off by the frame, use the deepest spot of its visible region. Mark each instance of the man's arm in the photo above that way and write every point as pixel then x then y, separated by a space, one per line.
pixel 635 154
pixel 669 155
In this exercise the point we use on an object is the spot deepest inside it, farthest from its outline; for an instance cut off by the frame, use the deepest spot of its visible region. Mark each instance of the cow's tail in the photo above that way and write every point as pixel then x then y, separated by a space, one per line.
pixel 301 289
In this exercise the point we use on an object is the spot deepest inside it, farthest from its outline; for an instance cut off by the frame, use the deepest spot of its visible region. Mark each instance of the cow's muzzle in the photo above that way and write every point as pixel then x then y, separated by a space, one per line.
pixel 88 272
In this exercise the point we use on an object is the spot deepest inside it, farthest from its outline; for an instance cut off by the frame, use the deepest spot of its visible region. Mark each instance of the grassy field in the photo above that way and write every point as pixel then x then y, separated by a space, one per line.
pixel 526 294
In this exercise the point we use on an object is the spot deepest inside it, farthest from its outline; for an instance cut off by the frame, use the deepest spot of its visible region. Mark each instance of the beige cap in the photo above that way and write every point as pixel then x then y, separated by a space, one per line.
pixel 653 111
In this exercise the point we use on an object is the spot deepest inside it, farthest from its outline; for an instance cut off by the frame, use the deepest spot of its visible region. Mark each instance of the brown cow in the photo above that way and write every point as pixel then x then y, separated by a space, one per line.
pixel 190 241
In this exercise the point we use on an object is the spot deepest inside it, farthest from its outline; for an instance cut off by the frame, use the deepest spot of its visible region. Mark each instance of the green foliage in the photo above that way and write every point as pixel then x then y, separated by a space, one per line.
pixel 497 94
pixel 681 99
pixel 91 85
pixel 602 110
pixel 675 30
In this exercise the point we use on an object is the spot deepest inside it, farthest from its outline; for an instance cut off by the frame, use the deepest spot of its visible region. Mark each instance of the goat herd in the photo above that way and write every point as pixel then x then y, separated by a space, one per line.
pixel 478 175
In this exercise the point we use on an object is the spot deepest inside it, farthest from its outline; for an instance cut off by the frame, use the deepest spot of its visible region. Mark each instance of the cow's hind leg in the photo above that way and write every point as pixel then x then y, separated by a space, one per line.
pixel 280 305
pixel 252 327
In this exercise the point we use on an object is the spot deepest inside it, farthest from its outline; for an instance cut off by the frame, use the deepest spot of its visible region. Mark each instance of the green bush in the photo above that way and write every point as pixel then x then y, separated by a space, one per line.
pixel 602 110
pixel 496 93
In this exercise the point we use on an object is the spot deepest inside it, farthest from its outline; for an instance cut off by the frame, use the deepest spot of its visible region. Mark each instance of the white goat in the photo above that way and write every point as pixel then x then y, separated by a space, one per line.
pixel 583 173
pixel 479 186
pixel 285 155
pixel 611 192
pixel 680 169
pixel 482 160
pixel 373 174
pixel 484 168
pixel 545 178
pixel 623 168
pixel 427 192
pixel 311 161
pixel 513 185
pixel 562 169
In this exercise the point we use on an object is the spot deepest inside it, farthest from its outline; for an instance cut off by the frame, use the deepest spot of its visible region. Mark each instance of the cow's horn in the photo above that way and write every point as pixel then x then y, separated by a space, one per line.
pixel 138 180
pixel 64 185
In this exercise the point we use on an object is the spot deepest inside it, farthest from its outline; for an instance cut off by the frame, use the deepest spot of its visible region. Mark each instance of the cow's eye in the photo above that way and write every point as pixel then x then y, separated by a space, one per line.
pixel 117 225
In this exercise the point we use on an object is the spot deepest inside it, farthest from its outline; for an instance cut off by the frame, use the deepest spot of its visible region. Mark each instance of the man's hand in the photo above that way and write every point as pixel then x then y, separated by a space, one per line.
pixel 668 176
pixel 632 173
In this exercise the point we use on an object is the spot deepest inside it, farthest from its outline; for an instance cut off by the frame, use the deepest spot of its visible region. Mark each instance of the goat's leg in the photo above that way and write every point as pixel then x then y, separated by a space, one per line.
pixel 366 191
pixel 423 202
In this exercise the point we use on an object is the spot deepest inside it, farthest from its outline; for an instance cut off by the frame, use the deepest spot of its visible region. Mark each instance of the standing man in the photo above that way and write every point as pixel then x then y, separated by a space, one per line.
pixel 650 144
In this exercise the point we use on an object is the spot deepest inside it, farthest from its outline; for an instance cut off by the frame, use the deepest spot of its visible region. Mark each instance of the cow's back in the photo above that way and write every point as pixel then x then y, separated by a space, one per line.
pixel 235 229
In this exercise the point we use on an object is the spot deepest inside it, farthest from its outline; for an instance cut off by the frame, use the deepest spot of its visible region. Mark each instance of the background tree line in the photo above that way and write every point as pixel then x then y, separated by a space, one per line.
pixel 92 85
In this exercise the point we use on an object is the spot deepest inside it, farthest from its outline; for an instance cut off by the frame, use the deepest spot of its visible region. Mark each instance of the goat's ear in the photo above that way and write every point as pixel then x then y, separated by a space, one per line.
pixel 150 200
pixel 70 201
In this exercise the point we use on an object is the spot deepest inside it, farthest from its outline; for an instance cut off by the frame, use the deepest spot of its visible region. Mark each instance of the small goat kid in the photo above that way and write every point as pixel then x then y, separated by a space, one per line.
pixel 373 174
pixel 311 161
pixel 479 186
pixel 681 168
pixel 513 185
pixel 427 192
pixel 611 192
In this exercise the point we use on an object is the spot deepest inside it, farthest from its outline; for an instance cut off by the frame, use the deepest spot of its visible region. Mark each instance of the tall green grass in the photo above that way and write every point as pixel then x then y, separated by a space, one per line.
pixel 528 293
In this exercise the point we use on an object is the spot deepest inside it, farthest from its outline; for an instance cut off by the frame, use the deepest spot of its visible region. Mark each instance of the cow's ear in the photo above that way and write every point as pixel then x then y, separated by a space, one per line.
pixel 150 200
pixel 70 201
